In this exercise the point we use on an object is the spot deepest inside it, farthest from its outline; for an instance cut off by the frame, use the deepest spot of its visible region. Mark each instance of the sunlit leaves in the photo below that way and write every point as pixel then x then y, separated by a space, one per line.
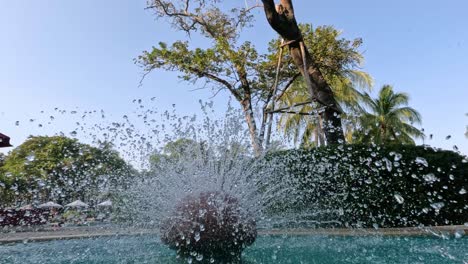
pixel 388 118
pixel 61 168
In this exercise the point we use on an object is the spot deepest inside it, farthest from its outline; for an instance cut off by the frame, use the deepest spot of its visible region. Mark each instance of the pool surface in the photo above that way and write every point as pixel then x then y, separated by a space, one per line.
pixel 267 249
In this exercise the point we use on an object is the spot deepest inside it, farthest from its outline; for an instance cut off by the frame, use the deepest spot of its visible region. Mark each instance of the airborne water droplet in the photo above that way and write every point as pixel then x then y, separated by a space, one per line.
pixel 422 161
pixel 430 178
pixel 437 206
pixel 31 157
pixel 398 156
pixel 388 164
pixel 399 198
pixel 459 234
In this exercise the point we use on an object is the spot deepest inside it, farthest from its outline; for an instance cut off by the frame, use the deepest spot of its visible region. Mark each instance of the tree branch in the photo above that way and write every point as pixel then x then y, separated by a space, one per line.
pixel 286 87
pixel 289 107
pixel 271 14
pixel 295 113
pixel 218 80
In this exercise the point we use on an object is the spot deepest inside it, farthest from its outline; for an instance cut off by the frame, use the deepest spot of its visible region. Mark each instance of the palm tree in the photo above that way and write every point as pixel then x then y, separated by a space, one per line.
pixel 388 119
pixel 339 61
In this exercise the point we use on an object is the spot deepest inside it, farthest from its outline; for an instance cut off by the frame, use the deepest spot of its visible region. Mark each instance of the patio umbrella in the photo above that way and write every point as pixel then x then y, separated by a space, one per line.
pixel 107 203
pixel 77 204
pixel 4 141
pixel 50 205
pixel 27 207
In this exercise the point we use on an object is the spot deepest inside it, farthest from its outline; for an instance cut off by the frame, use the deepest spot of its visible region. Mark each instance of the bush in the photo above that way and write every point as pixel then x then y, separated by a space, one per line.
pixel 386 186
pixel 19 217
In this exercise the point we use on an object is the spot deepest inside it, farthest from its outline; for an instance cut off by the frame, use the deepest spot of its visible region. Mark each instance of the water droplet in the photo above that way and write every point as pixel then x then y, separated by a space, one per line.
pixel 388 164
pixel 422 161
pixel 398 156
pixel 430 178
pixel 399 198
pixel 31 157
pixel 459 234
pixel 197 236
pixel 437 206
pixel 462 191
pixel 448 137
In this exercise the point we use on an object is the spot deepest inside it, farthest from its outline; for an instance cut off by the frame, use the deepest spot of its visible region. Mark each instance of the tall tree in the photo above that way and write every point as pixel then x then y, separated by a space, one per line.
pixel 388 118
pixel 339 60
pixel 227 63
pixel 282 19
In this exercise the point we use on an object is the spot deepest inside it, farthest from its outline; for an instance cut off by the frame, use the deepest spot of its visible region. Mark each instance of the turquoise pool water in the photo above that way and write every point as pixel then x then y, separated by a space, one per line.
pixel 267 249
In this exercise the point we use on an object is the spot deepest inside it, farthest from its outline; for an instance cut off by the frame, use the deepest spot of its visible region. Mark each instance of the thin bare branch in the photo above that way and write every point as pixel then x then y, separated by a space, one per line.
pixel 286 87
pixel 215 78
pixel 289 107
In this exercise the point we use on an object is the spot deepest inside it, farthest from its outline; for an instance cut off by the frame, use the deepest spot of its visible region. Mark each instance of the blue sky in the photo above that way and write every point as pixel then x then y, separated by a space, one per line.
pixel 79 55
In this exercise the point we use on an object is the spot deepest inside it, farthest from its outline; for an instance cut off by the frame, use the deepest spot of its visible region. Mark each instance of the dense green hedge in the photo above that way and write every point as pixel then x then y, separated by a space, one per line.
pixel 385 186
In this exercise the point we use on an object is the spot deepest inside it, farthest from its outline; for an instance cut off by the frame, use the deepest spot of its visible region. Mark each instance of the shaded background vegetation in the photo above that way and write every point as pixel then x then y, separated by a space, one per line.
pixel 61 169
pixel 368 185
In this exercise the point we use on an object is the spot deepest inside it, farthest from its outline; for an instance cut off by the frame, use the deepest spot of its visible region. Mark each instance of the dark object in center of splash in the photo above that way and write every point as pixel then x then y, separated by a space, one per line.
pixel 209 226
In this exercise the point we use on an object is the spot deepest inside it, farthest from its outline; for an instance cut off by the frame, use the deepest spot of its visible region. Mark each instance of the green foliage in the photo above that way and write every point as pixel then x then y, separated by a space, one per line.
pixel 62 169
pixel 203 16
pixel 2 159
pixel 224 62
pixel 339 60
pixel 388 119
pixel 388 186
pixel 174 151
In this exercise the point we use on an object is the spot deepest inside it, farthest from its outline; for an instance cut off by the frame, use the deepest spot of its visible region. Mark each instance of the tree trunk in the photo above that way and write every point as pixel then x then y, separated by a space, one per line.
pixel 246 102
pixel 283 21
pixel 263 126
pixel 320 131
pixel 249 117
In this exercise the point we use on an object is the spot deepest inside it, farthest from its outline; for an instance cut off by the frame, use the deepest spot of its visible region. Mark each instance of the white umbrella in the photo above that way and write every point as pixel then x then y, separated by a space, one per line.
pixel 50 205
pixel 27 207
pixel 107 203
pixel 77 204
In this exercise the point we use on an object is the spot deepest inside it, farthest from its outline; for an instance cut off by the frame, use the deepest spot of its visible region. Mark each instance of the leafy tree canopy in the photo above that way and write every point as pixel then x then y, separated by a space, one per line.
pixel 61 168
pixel 388 119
